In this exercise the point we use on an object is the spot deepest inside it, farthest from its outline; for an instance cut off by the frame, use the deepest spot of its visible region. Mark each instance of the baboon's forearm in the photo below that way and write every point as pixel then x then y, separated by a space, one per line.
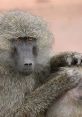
pixel 65 59
pixel 42 97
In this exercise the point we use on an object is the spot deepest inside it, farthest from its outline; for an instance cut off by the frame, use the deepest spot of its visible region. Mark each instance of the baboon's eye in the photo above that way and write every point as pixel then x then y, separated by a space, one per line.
pixel 35 51
pixel 19 39
pixel 31 39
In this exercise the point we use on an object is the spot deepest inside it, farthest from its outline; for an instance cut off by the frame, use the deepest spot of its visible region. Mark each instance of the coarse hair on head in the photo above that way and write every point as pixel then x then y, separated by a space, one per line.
pixel 17 23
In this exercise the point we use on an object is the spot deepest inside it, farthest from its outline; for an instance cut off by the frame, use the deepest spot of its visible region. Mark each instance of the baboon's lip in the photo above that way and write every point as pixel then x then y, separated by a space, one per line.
pixel 26 72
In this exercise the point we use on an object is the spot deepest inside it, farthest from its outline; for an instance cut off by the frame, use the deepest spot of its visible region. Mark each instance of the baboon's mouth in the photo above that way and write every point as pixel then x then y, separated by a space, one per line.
pixel 26 72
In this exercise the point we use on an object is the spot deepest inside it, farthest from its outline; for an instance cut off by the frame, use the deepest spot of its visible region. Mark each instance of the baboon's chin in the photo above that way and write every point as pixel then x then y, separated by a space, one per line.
pixel 26 73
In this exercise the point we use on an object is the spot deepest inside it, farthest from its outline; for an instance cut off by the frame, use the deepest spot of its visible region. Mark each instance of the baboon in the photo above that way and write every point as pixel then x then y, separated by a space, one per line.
pixel 68 105
pixel 29 78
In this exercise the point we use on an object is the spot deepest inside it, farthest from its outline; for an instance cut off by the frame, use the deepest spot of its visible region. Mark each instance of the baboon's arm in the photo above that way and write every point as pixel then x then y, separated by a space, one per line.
pixel 65 59
pixel 43 96
pixel 56 62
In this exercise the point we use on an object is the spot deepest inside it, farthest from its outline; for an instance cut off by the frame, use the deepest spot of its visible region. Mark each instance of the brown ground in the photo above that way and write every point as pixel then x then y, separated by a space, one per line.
pixel 64 18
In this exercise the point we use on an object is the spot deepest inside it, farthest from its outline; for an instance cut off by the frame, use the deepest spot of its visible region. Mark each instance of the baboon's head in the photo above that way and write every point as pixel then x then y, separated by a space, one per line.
pixel 27 38
pixel 24 53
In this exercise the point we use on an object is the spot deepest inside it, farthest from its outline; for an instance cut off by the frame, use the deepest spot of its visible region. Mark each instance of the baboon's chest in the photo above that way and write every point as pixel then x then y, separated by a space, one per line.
pixel 12 92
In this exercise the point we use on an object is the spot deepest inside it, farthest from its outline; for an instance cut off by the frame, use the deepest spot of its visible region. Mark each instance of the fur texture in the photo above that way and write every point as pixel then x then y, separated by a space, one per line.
pixel 15 24
pixel 18 94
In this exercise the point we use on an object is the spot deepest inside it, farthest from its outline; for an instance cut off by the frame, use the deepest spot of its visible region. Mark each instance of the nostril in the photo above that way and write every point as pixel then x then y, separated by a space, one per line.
pixel 28 64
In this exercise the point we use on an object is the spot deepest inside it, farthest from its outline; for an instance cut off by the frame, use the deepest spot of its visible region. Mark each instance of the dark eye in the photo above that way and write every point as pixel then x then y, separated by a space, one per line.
pixel 35 51
pixel 19 38
pixel 29 38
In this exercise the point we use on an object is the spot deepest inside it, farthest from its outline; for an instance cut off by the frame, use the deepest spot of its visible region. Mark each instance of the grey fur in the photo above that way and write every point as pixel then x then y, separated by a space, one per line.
pixel 70 104
pixel 18 94
pixel 40 99
pixel 15 24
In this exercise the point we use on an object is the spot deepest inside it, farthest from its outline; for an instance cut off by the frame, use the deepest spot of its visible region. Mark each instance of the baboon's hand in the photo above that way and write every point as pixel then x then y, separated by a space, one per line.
pixel 74 59
pixel 65 59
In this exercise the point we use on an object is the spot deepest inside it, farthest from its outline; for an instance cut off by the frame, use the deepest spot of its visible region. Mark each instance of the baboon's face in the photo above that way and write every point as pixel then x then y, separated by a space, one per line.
pixel 24 53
